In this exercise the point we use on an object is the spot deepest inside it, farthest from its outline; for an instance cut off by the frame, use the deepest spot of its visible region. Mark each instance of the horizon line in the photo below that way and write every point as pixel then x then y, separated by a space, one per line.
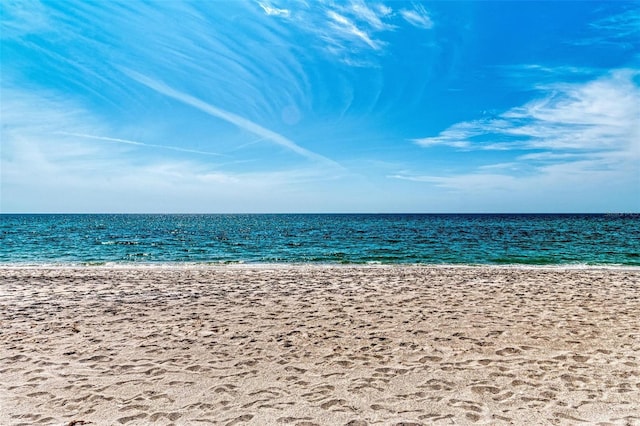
pixel 612 213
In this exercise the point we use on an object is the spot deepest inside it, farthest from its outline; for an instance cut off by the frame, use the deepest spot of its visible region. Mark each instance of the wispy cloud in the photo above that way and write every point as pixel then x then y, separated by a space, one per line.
pixel 621 29
pixel 35 154
pixel 274 11
pixel 50 162
pixel 227 116
pixel 456 136
pixel 577 138
pixel 598 115
pixel 418 17
pixel 374 16
pixel 466 182
pixel 23 17
pixel 346 29
pixel 354 31
pixel 200 43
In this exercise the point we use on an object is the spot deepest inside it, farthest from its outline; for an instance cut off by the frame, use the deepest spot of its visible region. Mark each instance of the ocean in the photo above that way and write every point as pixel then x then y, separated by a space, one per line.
pixel 466 239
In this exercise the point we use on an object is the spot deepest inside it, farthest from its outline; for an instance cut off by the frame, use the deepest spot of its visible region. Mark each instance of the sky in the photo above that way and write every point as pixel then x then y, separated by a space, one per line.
pixel 319 106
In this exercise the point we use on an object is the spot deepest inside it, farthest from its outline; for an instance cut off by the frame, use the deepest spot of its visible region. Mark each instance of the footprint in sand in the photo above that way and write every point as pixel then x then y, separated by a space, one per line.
pixel 580 358
pixel 292 419
pixel 241 419
pixel 504 396
pixel 96 358
pixel 226 388
pixel 124 420
pixel 171 416
pixel 508 351
pixel 485 389
pixel 428 358
pixel 318 393
pixel 327 405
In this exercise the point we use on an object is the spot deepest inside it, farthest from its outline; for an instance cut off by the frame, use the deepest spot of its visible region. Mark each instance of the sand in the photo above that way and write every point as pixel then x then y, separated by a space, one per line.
pixel 316 345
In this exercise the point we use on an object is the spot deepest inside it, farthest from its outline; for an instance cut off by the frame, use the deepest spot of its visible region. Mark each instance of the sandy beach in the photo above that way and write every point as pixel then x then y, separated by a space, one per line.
pixel 319 345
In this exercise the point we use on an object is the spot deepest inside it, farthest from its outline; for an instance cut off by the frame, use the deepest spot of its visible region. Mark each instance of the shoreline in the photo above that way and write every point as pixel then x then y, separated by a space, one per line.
pixel 314 265
pixel 316 345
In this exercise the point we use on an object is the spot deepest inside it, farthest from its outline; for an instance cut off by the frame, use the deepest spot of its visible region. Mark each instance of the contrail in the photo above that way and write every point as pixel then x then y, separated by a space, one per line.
pixel 230 117
pixel 128 142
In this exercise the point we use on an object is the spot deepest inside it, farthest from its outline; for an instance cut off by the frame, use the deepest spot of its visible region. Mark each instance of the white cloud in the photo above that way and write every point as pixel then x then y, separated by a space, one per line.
pixel 274 11
pixel 582 139
pixel 444 140
pixel 373 17
pixel 598 115
pixel 346 29
pixel 353 32
pixel 383 10
pixel 418 17
pixel 454 137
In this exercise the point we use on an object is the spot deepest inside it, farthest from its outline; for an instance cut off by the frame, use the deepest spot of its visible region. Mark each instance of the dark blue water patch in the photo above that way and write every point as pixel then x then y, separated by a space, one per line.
pixel 322 238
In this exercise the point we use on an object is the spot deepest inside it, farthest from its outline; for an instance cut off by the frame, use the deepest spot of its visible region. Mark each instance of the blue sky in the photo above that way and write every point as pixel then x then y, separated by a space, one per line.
pixel 320 106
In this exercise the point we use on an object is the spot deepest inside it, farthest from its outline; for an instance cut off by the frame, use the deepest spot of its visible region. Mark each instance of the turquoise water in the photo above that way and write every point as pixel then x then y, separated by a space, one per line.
pixel 308 238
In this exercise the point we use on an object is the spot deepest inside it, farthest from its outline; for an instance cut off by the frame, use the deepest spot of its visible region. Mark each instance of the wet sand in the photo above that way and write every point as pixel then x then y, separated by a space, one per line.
pixel 316 345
